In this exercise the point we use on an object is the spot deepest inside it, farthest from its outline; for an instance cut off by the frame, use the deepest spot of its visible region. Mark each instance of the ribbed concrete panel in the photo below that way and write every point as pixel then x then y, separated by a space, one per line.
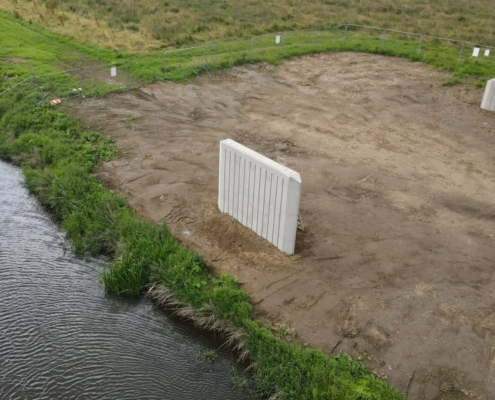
pixel 488 102
pixel 260 193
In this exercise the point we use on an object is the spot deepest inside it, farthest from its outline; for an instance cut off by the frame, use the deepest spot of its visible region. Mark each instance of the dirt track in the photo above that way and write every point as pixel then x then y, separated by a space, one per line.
pixel 397 262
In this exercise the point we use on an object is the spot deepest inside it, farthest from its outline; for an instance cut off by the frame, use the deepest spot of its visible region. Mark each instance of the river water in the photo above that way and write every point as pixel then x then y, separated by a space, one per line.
pixel 63 337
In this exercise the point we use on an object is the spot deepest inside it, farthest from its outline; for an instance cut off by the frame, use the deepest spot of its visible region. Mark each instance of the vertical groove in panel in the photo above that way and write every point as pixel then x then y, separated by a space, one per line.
pixel 256 194
pixel 280 216
pixel 266 205
pixel 261 202
pixel 232 182
pixel 236 185
pixel 249 217
pixel 280 202
pixel 269 211
pixel 227 182
pixel 264 225
pixel 274 209
pixel 231 179
pixel 225 185
pixel 239 187
pixel 245 191
pixel 257 203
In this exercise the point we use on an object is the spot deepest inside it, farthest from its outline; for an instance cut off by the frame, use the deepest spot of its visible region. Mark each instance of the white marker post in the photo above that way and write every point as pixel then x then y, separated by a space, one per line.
pixel 277 39
pixel 476 51
pixel 113 71
pixel 487 53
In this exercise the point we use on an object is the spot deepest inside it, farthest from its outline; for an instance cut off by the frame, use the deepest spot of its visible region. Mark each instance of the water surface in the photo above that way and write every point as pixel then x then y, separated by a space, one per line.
pixel 63 337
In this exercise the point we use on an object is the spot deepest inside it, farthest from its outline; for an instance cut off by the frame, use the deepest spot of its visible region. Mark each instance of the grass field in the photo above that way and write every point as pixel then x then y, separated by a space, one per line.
pixel 152 24
pixel 27 49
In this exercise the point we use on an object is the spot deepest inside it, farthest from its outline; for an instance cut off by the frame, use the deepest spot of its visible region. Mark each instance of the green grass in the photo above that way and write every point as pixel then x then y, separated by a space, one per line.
pixel 27 49
pixel 35 51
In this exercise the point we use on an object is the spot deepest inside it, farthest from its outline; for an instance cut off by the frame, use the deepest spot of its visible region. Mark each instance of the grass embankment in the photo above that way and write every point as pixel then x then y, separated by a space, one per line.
pixel 148 24
pixel 35 51
pixel 58 160
pixel 182 65
pixel 27 49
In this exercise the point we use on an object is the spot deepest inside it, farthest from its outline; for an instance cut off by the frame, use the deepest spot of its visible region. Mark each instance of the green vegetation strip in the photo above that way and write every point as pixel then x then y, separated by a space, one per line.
pixel 181 65
pixel 27 49
pixel 59 158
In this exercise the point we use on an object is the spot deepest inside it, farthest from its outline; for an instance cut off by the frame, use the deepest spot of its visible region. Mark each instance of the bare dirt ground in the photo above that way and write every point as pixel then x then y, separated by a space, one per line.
pixel 397 261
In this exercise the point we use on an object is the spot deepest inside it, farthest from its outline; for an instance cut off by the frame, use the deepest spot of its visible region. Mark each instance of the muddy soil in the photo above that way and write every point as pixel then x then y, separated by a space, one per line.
pixel 396 264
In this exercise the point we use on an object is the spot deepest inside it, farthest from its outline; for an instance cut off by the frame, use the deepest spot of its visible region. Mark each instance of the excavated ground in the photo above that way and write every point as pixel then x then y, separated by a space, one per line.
pixel 397 261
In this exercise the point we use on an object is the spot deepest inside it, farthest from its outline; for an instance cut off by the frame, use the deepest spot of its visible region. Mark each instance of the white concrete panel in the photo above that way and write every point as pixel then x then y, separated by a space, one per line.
pixel 488 102
pixel 260 193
